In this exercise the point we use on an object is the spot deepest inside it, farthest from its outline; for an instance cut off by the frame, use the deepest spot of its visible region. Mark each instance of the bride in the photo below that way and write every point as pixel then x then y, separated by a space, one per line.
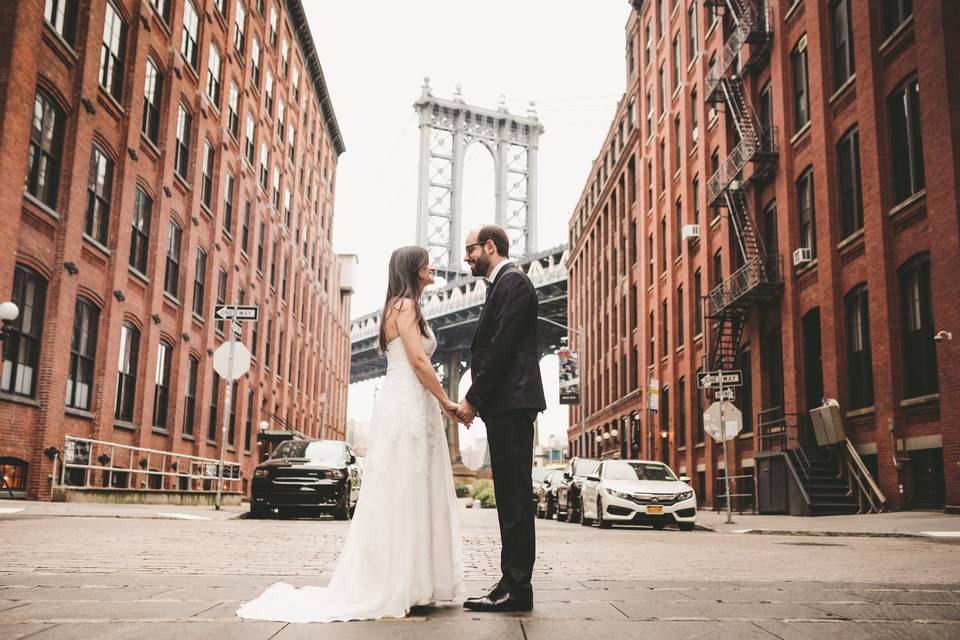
pixel 403 546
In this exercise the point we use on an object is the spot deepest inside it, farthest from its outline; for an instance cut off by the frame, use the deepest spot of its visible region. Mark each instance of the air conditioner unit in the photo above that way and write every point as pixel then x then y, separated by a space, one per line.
pixel 690 231
pixel 695 134
pixel 802 256
pixel 176 61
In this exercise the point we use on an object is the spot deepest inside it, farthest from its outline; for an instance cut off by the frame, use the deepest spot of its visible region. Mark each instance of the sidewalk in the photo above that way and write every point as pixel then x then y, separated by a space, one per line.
pixel 929 524
pixel 32 509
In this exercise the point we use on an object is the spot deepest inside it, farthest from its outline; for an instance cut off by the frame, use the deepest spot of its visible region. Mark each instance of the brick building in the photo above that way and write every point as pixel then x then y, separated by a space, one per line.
pixel 776 195
pixel 158 157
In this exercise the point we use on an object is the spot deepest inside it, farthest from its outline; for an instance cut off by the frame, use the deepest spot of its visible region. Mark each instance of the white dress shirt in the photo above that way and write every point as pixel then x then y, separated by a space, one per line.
pixel 493 274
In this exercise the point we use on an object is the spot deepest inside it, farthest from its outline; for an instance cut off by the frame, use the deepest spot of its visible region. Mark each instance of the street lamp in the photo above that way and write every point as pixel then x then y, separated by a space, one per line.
pixel 8 313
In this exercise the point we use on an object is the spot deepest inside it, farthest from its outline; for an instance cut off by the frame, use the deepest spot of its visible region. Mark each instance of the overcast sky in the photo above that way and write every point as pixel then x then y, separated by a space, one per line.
pixel 566 55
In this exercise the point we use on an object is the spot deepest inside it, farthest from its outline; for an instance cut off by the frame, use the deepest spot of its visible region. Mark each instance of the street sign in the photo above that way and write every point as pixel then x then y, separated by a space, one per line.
pixel 241 360
pixel 725 394
pixel 230 312
pixel 732 419
pixel 711 379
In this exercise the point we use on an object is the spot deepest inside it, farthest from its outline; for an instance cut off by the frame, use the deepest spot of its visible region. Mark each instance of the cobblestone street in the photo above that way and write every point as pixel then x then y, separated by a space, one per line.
pixel 100 577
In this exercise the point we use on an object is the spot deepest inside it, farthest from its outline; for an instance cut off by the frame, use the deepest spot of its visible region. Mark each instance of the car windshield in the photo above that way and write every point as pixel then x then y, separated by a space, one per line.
pixel 539 473
pixel 315 451
pixel 585 467
pixel 621 470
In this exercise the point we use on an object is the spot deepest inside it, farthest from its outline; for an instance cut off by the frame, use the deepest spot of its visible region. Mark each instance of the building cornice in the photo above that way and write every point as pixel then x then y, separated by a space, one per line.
pixel 305 38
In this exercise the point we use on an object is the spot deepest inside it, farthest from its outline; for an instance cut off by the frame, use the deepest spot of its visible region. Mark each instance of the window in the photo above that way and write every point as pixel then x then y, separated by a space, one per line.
pixel 650 260
pixel 842 40
pixel 285 56
pixel 859 364
pixel 276 191
pixel 260 249
pixel 212 418
pixel 651 344
pixel 213 75
pixel 62 16
pixel 181 156
pixel 240 28
pixel 682 412
pixel 127 372
pixel 766 109
pixel 245 228
pixel 248 423
pixel 286 208
pixel 807 215
pixel 281 118
pixel 228 203
pixel 663 89
pixel 717 270
pixel 249 140
pixel 99 188
pixel 291 143
pixel 714 169
pixel 221 6
pixel 906 147
pixel 801 98
pixel 679 314
pixel 199 281
pixel 677 62
pixel 692 29
pixel 267 345
pixel 649 112
pixel 264 161
pixel 694 116
pixel 171 275
pixel 190 397
pixel 21 347
pixel 111 52
pixel 255 61
pixel 695 199
pixel 268 90
pixel 140 233
pixel 895 13
pixel 677 144
pixel 221 294
pixel 152 89
pixel 280 353
pixel 83 351
pixel 661 19
pixel 665 328
pixel 273 26
pixel 851 201
pixel 46 148
pixel 648 43
pixel 663 245
pixel 678 227
pixel 916 318
pixel 233 110
pixel 663 165
pixel 191 27
pixel 161 388
pixel 295 84
pixel 206 184
pixel 232 428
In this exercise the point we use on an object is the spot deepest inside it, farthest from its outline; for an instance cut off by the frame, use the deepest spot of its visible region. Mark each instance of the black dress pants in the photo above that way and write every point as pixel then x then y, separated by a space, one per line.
pixel 510 439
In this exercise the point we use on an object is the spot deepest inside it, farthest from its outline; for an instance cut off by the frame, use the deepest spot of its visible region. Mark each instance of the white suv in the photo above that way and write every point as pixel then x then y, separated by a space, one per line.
pixel 637 492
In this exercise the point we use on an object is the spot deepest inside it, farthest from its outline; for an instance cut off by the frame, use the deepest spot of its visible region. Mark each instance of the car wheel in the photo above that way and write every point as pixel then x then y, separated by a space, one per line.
pixel 686 526
pixel 573 514
pixel 551 509
pixel 562 515
pixel 584 520
pixel 343 511
pixel 601 521
pixel 260 511
pixel 286 512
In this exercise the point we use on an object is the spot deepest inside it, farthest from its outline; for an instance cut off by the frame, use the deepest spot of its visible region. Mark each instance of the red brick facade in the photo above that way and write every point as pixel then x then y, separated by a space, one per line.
pixel 622 273
pixel 304 383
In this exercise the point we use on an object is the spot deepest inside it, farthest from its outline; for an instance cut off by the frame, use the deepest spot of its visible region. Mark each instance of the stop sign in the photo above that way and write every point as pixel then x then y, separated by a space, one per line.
pixel 731 417
pixel 241 360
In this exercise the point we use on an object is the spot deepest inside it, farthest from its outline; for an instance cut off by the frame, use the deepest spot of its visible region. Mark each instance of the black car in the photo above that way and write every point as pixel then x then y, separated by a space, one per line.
pixel 320 476
pixel 547 496
pixel 568 489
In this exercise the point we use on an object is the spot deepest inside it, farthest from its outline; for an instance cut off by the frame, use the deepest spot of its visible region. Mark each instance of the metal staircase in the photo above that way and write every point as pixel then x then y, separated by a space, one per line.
pixel 755 155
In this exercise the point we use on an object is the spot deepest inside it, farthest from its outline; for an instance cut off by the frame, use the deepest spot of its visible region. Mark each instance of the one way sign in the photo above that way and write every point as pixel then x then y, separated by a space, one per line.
pixel 711 379
pixel 230 312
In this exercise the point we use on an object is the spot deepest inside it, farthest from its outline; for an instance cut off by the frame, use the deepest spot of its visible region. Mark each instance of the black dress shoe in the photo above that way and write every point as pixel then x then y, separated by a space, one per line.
pixel 499 602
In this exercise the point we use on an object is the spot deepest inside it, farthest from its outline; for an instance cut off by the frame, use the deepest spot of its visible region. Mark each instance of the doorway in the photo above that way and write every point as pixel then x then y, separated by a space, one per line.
pixel 812 373
pixel 926 475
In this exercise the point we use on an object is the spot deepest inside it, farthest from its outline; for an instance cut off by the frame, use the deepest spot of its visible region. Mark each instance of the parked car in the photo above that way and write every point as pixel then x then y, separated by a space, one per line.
pixel 568 489
pixel 547 495
pixel 536 477
pixel 637 492
pixel 320 476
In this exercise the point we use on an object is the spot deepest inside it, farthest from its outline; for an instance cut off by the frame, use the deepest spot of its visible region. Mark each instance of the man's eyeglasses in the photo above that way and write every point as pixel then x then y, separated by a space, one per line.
pixel 469 247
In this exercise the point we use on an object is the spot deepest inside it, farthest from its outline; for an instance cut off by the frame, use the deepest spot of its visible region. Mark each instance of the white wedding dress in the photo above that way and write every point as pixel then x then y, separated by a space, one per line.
pixel 403 546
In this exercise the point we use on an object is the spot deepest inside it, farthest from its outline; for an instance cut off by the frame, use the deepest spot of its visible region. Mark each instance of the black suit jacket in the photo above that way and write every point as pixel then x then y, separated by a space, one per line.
pixel 505 369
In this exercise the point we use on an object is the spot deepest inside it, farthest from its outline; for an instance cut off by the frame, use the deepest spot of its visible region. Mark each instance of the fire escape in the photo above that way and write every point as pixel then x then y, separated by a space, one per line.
pixel 752 160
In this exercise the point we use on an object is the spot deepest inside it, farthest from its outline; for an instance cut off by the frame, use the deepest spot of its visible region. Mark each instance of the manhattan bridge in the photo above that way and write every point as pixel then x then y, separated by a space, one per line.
pixel 447 129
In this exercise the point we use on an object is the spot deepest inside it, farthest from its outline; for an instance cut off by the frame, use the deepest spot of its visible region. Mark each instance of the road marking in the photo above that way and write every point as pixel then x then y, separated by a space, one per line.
pixel 181 516
pixel 942 534
pixel 9 510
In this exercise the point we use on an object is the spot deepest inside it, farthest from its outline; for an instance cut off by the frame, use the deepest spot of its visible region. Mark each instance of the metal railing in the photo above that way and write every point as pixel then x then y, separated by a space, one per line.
pixel 861 482
pixel 743 491
pixel 749 21
pixel 773 429
pixel 97 464
pixel 754 272
pixel 763 142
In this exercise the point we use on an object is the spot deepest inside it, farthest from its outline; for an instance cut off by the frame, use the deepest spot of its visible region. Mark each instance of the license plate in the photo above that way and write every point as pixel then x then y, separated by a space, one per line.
pixel 655 509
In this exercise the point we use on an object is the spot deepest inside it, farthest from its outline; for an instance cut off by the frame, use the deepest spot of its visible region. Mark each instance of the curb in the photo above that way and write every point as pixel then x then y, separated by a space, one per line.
pixel 822 534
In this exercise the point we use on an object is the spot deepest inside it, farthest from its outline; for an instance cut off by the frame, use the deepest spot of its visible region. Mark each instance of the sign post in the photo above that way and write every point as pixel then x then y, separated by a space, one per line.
pixel 726 465
pixel 230 373
pixel 718 380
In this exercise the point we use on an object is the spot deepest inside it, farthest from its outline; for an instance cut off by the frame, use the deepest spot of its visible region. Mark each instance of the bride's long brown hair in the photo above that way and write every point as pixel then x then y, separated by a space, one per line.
pixel 403 282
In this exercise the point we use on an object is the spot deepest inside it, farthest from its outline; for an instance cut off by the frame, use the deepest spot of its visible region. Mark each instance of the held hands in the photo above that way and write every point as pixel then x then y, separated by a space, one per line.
pixel 466 412
pixel 450 409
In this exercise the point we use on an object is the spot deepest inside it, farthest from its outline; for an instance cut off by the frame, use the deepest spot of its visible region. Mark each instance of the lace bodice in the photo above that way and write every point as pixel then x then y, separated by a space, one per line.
pixel 396 350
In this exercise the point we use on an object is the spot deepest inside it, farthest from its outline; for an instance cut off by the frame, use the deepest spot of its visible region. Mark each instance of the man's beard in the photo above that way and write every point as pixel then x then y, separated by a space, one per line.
pixel 480 267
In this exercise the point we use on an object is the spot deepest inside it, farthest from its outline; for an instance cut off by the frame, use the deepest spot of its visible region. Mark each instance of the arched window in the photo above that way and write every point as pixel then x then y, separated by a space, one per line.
pixel 916 318
pixel 127 372
pixel 21 346
pixel 83 351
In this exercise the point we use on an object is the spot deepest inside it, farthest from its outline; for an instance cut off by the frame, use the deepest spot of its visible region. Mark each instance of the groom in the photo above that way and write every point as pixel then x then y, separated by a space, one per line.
pixel 507 393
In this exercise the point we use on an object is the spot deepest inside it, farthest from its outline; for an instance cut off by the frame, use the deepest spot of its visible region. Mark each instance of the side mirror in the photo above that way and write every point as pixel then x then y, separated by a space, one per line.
pixel 593 477
pixel 684 479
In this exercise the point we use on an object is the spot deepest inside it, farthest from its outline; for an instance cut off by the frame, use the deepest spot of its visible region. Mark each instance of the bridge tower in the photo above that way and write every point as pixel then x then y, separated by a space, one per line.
pixel 447 128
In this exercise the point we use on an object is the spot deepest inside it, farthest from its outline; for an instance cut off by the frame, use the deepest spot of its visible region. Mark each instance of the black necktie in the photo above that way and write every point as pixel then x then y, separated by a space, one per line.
pixel 489 287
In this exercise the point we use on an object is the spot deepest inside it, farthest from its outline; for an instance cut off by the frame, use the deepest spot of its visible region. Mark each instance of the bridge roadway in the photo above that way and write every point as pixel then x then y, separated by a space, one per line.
pixel 453 311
